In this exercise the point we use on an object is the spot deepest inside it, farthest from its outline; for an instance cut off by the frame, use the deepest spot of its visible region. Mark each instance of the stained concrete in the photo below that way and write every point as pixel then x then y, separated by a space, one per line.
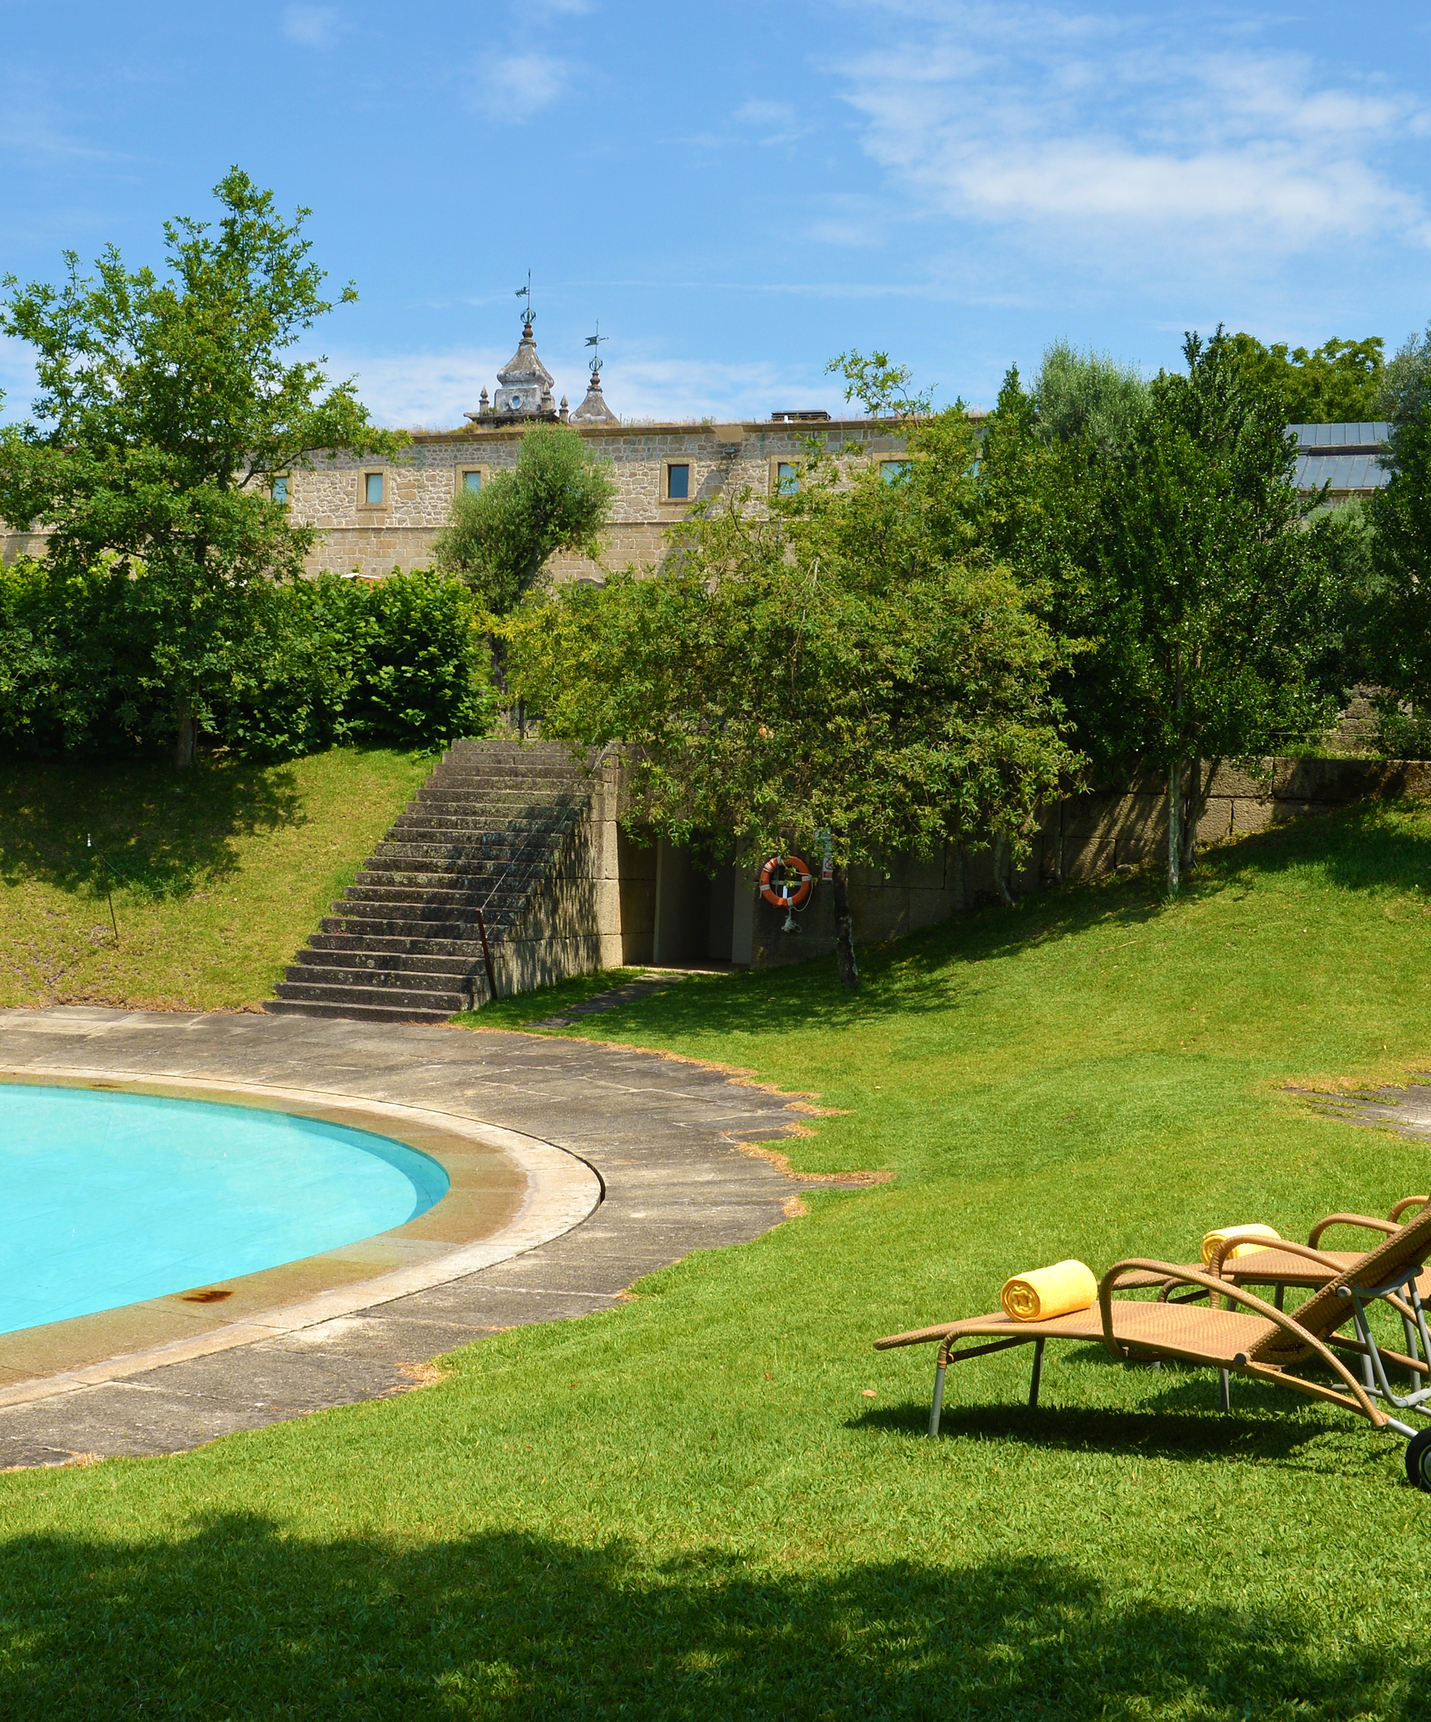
pixel 660 1133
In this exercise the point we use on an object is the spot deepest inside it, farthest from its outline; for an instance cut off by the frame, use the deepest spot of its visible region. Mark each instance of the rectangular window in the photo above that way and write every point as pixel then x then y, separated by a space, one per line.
pixel 373 489
pixel 891 471
pixel 678 482
pixel 280 491
pixel 472 481
pixel 787 479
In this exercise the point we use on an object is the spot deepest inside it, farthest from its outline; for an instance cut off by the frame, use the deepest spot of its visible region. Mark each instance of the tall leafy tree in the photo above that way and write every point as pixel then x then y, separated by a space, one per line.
pixel 168 408
pixel 1089 395
pixel 847 662
pixel 1339 381
pixel 499 538
pixel 1209 599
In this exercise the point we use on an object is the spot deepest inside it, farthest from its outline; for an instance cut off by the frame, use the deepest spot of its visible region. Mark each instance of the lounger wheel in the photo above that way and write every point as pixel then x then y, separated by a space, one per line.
pixel 1418 1459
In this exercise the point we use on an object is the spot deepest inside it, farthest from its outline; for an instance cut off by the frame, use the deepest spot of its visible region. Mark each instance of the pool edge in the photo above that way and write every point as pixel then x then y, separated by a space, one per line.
pixel 562 1191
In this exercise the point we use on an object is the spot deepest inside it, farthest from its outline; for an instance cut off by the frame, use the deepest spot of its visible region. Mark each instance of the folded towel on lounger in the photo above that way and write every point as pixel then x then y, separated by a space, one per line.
pixel 1263 1235
pixel 1048 1292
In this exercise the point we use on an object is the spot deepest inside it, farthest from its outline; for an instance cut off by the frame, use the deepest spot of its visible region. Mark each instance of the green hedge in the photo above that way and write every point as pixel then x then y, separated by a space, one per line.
pixel 297 666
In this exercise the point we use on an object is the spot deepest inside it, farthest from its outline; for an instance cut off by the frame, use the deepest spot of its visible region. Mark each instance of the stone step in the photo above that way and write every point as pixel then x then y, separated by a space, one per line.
pixel 421 877
pixel 477 804
pixel 512 780
pixel 444 824
pixel 327 960
pixel 440 889
pixel 357 899
pixel 405 927
pixel 472 841
pixel 471 858
pixel 352 1012
pixel 388 998
pixel 467 952
pixel 408 982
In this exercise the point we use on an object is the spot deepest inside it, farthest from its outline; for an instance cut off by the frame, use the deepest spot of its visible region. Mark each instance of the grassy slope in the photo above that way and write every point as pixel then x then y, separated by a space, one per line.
pixel 690 1506
pixel 224 872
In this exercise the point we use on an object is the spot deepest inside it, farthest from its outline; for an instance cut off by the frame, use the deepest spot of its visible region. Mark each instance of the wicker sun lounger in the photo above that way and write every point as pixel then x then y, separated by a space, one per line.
pixel 1256 1339
pixel 1285 1264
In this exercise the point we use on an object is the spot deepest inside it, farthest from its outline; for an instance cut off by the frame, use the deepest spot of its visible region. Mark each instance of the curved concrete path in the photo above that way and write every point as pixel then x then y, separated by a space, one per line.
pixel 661 1134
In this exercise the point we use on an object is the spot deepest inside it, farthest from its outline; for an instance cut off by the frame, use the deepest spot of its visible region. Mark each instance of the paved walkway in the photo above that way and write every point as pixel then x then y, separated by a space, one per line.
pixel 660 1133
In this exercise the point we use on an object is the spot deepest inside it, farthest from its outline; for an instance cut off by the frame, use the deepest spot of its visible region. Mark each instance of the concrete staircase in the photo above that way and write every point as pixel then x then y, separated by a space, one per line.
pixel 403 945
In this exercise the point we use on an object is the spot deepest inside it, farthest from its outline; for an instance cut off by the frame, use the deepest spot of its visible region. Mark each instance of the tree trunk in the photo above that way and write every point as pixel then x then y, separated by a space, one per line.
pixel 187 738
pixel 1191 812
pixel 844 931
pixel 1175 820
pixel 1001 852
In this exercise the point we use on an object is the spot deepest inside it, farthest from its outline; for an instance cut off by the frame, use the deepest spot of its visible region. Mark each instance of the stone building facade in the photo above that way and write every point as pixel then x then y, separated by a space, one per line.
pixel 377 515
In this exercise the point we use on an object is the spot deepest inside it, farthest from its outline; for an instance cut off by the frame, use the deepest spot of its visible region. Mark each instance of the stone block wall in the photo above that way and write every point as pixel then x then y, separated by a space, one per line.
pixel 1089 835
pixel 418 488
pixel 612 899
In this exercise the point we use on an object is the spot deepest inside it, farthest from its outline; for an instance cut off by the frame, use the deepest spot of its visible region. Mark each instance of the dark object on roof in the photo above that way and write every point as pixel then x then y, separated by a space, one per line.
pixel 798 418
pixel 1345 456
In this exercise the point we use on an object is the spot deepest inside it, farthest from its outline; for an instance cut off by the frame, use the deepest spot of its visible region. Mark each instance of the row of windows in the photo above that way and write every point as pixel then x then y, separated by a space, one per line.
pixel 677 484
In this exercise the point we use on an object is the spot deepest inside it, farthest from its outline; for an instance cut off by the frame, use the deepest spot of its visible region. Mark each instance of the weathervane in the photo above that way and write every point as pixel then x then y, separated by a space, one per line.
pixel 526 293
pixel 594 341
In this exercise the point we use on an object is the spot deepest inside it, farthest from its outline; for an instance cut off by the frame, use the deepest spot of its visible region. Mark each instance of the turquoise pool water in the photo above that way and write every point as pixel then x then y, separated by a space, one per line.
pixel 106 1198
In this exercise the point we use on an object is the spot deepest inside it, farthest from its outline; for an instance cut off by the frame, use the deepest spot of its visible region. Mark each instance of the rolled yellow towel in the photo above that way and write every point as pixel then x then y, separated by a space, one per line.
pixel 1263 1235
pixel 1048 1292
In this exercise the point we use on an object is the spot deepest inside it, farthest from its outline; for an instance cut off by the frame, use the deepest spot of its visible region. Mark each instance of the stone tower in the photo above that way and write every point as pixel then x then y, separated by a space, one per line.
pixel 524 386
pixel 594 410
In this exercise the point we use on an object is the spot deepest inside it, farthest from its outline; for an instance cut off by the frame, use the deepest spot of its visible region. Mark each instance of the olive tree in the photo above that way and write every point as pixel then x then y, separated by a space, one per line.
pixel 500 537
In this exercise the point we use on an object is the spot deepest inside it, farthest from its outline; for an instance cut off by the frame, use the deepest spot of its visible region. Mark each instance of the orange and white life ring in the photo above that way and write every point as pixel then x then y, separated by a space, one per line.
pixel 786 881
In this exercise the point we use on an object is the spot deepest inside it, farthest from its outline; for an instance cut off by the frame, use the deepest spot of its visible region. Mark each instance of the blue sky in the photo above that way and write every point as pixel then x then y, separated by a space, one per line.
pixel 740 191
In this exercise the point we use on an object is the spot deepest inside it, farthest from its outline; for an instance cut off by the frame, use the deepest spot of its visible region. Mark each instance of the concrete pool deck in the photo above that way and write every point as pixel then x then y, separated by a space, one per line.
pixel 630 1160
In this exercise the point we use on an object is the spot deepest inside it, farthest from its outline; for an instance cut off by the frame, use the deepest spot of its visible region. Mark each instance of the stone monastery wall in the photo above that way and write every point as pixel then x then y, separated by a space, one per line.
pixel 417 489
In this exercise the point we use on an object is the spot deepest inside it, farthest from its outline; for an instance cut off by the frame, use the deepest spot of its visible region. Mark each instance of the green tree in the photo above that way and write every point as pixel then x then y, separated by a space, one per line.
pixel 1088 394
pixel 499 538
pixel 845 662
pixel 885 390
pixel 1338 382
pixel 1209 601
pixel 167 409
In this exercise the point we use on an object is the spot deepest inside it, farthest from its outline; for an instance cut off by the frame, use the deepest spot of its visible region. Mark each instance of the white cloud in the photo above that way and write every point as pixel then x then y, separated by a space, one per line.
pixel 1111 143
pixel 516 86
pixel 434 390
pixel 313 26
pixel 777 120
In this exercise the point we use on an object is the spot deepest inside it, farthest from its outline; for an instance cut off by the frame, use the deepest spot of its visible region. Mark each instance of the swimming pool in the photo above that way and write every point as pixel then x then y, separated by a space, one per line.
pixel 109 1198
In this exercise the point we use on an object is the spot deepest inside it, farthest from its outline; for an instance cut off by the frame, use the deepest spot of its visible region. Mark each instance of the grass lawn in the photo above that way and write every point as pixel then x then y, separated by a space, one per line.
pixel 717 1501
pixel 218 873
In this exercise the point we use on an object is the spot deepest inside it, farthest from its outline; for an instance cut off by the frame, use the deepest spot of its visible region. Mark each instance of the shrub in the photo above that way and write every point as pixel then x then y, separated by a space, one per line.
pixel 303 666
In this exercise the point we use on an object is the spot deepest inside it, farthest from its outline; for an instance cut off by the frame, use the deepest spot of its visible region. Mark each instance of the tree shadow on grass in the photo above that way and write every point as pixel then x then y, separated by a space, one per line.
pixel 238 1618
pixel 156 832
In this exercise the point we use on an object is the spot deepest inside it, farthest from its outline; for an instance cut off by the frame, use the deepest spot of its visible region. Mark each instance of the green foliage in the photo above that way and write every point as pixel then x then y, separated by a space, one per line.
pixel 500 537
pixel 424 674
pixel 1401 516
pixel 166 409
pixel 845 662
pixel 1338 382
pixel 1211 601
pixel 1089 394
pixel 301 666
pixel 1206 617
pixel 883 389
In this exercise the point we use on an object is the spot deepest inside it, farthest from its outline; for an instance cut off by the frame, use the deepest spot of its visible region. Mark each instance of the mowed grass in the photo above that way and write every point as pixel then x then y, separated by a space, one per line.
pixel 217 874
pixel 717 1501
